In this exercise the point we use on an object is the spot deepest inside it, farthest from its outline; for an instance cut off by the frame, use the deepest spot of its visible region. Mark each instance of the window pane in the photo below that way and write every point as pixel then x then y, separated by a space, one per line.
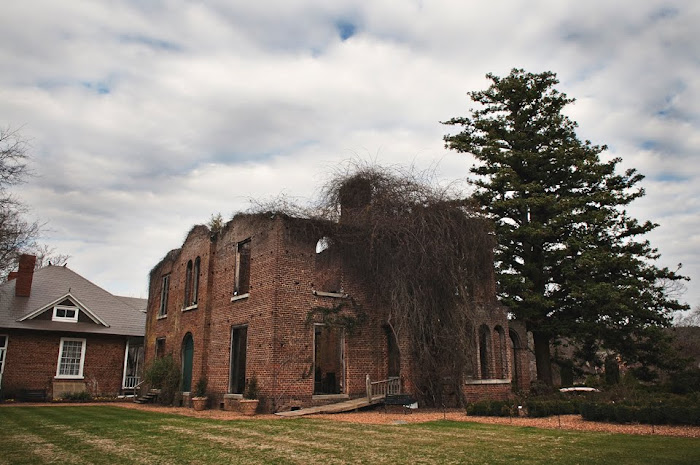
pixel 70 358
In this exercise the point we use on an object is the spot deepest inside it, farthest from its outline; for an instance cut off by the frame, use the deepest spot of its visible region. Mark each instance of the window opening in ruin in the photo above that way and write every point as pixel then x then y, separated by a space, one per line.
pixel 164 291
pixel 327 267
pixel 195 282
pixel 188 285
pixel 242 285
pixel 239 342
pixel 484 351
pixel 71 358
pixel 329 364
pixel 515 354
pixel 187 359
pixel 393 353
pixel 160 347
pixel 500 353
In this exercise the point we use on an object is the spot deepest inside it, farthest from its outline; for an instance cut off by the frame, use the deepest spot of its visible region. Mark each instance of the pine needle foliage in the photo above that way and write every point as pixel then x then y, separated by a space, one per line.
pixel 571 262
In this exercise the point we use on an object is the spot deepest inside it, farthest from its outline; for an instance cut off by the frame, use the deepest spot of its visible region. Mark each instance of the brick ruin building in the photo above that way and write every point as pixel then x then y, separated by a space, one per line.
pixel 251 300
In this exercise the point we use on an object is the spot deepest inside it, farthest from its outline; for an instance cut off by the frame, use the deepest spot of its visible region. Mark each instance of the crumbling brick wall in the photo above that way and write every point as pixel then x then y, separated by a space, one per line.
pixel 278 312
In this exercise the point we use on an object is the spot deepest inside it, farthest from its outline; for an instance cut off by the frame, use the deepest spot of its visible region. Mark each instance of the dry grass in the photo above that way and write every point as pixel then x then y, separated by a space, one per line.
pixel 127 433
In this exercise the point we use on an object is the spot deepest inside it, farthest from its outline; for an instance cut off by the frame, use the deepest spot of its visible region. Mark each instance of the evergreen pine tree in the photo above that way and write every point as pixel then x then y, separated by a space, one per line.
pixel 571 263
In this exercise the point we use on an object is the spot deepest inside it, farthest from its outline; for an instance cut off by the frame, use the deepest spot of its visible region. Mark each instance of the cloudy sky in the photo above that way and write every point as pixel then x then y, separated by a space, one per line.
pixel 146 117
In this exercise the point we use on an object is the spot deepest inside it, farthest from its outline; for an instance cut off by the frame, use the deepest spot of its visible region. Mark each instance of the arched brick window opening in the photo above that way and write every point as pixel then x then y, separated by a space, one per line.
pixel 327 267
pixel 195 281
pixel 515 349
pixel 242 283
pixel 484 351
pixel 188 284
pixel 187 359
pixel 500 353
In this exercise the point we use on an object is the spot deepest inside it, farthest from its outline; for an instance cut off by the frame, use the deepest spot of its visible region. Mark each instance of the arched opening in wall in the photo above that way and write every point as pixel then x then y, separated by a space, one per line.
pixel 327 267
pixel 188 284
pixel 187 359
pixel 195 280
pixel 393 353
pixel 515 347
pixel 484 351
pixel 500 353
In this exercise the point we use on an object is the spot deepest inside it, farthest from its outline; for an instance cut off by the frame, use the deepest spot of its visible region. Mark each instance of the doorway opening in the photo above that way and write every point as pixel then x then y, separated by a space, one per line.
pixel 239 341
pixel 329 363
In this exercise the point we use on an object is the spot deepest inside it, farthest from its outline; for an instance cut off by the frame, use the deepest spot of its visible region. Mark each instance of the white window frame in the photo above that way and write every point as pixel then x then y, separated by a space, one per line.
pixel 3 352
pixel 60 356
pixel 73 319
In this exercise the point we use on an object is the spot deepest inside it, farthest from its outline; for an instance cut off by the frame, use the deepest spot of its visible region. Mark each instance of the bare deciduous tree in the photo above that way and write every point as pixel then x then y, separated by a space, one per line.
pixel 17 234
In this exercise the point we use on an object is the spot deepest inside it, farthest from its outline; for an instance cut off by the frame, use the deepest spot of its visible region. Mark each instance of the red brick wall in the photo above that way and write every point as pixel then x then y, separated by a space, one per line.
pixel 477 392
pixel 280 336
pixel 32 359
pixel 178 322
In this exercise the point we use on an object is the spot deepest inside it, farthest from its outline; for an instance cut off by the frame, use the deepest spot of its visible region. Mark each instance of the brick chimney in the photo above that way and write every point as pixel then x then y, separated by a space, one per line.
pixel 355 196
pixel 12 275
pixel 25 274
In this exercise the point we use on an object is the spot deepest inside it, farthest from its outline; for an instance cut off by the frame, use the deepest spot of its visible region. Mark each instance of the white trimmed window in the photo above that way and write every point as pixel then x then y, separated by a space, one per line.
pixel 67 313
pixel 71 358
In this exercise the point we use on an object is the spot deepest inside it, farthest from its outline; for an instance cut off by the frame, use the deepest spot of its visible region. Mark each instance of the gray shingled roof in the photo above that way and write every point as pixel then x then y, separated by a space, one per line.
pixel 123 315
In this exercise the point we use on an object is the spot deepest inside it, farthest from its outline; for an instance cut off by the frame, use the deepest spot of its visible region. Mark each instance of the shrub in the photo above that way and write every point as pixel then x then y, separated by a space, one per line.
pixel 487 408
pixel 546 408
pixel 251 388
pixel 685 382
pixel 653 413
pixel 82 396
pixel 164 374
pixel 200 389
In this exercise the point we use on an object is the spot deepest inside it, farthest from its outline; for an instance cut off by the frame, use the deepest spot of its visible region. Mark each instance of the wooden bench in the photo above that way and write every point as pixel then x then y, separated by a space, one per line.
pixel 32 395
pixel 403 400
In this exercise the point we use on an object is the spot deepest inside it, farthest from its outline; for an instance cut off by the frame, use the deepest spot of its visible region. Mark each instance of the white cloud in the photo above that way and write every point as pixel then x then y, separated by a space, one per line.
pixel 147 117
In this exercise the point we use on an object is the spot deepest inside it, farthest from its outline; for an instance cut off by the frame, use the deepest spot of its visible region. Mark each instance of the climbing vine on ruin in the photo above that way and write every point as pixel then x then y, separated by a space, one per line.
pixel 424 253
pixel 349 315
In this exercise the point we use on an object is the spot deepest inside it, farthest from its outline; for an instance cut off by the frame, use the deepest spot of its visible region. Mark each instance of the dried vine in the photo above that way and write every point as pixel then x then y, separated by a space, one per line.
pixel 338 315
pixel 426 255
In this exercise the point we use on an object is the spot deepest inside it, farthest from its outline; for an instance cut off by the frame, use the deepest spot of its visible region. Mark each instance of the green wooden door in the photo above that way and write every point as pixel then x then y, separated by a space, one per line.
pixel 187 356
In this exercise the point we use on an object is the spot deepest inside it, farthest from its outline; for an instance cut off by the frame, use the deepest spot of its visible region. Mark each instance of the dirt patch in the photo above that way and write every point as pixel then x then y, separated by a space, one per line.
pixel 378 417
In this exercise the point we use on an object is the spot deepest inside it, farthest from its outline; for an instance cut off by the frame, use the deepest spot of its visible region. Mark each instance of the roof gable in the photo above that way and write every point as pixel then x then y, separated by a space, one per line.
pixel 101 311
pixel 62 301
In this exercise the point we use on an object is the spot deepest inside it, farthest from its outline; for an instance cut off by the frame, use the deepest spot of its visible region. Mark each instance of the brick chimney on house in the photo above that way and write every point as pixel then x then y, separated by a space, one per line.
pixel 25 275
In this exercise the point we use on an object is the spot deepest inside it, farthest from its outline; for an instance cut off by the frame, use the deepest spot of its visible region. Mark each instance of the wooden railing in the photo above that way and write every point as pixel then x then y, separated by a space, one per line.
pixel 382 388
pixel 130 382
pixel 137 390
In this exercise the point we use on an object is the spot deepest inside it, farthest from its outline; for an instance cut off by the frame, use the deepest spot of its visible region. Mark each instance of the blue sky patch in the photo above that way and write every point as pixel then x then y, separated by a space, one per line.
pixel 151 42
pixel 98 87
pixel 346 29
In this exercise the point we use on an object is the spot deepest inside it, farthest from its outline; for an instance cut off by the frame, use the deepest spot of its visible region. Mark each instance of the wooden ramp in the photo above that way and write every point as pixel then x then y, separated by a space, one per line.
pixel 344 406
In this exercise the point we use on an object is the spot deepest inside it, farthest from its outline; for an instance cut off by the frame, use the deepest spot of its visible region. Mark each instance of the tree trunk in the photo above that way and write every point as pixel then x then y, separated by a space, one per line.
pixel 543 358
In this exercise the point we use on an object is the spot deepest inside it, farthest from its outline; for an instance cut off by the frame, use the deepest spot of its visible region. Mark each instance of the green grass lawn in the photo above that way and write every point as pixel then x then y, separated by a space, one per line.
pixel 113 435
